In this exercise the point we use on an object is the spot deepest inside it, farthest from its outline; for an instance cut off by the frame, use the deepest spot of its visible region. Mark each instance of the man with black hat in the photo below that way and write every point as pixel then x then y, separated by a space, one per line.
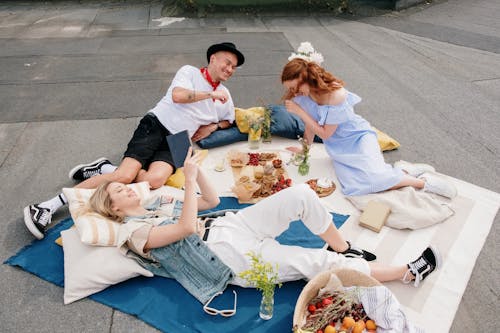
pixel 196 101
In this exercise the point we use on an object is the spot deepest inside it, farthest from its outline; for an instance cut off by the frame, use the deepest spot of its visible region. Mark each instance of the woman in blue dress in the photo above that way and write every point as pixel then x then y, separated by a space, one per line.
pixel 326 108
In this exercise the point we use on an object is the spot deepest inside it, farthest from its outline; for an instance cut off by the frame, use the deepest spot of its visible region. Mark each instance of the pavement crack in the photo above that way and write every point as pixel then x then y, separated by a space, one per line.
pixel 13 146
pixel 111 80
pixel 486 80
pixel 112 321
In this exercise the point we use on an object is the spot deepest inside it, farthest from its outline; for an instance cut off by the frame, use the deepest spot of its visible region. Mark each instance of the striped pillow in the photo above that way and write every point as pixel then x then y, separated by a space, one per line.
pixel 93 228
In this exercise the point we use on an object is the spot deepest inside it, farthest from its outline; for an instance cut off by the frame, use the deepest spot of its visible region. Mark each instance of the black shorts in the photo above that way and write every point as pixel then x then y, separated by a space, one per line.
pixel 149 142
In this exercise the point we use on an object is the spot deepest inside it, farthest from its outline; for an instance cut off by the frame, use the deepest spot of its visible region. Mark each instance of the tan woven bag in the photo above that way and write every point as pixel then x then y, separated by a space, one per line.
pixel 345 278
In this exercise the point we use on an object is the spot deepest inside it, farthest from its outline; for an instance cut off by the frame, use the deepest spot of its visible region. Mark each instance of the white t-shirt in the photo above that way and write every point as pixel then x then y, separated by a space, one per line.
pixel 177 117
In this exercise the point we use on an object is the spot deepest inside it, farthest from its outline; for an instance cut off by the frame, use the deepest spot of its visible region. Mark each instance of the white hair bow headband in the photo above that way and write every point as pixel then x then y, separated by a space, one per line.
pixel 306 51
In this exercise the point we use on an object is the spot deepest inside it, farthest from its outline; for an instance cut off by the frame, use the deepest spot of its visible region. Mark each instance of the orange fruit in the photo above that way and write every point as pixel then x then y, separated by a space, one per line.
pixel 370 325
pixel 330 329
pixel 359 326
pixel 348 322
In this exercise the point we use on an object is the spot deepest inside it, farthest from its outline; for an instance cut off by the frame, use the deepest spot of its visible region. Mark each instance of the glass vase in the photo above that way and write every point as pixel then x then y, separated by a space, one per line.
pixel 254 136
pixel 266 132
pixel 267 305
pixel 304 167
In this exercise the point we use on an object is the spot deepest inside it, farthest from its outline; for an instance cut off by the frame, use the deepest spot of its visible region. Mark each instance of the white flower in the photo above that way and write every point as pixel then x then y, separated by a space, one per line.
pixel 299 56
pixel 305 48
pixel 306 51
pixel 316 57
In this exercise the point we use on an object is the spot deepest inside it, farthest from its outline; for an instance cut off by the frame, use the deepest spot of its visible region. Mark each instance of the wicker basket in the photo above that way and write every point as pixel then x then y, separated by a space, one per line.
pixel 345 278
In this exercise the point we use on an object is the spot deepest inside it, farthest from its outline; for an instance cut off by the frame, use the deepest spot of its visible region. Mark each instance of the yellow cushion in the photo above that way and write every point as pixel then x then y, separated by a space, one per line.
pixel 177 180
pixel 242 116
pixel 385 141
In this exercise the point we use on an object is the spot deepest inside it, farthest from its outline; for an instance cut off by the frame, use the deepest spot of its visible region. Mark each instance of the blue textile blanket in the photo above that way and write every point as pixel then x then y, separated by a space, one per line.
pixel 163 303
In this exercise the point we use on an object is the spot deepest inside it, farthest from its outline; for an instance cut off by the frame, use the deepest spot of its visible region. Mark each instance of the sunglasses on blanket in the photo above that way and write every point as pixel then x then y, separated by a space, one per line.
pixel 215 312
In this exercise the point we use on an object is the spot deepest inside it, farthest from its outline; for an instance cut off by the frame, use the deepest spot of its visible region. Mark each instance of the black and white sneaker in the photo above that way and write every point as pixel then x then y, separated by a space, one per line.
pixel 83 172
pixel 37 219
pixel 356 252
pixel 428 261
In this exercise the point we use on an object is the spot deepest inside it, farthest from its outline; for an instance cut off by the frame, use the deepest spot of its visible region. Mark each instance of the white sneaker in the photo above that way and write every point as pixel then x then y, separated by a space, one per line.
pixel 437 185
pixel 414 169
pixel 83 172
pixel 428 262
pixel 37 219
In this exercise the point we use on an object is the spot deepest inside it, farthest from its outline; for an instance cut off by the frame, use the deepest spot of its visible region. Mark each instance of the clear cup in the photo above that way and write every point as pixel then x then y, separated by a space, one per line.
pixel 220 164
pixel 254 134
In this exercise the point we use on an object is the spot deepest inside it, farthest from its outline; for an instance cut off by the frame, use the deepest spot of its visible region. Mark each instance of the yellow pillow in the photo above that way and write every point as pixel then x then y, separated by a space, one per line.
pixel 385 141
pixel 242 116
pixel 177 180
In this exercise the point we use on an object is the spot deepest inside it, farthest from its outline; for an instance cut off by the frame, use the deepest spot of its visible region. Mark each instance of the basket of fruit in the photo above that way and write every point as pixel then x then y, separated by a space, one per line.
pixel 328 304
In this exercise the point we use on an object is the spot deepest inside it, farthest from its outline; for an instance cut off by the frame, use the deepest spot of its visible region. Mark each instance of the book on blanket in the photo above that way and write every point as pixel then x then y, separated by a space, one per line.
pixel 374 215
pixel 179 144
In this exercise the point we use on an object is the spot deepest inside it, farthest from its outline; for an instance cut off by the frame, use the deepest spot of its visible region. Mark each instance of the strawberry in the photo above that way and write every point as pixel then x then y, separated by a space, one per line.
pixel 326 301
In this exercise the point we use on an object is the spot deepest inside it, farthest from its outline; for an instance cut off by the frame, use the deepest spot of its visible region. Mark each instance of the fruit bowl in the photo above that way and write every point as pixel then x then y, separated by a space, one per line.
pixel 336 280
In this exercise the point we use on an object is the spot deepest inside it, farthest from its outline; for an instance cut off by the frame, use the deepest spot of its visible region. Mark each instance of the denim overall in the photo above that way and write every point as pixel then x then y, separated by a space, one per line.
pixel 191 263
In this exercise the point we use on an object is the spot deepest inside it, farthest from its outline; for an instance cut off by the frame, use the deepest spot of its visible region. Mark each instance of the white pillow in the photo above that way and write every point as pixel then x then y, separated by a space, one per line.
pixel 93 228
pixel 90 269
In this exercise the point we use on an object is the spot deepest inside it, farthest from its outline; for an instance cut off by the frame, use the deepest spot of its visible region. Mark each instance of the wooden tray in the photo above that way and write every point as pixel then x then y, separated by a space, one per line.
pixel 244 169
pixel 321 191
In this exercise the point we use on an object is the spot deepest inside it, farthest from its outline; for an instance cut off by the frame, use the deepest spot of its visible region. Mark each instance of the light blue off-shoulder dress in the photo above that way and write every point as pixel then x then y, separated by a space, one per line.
pixel 353 148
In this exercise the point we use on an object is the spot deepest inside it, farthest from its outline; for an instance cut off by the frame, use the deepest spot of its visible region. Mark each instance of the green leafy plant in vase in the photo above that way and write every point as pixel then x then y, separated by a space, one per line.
pixel 302 158
pixel 255 132
pixel 266 125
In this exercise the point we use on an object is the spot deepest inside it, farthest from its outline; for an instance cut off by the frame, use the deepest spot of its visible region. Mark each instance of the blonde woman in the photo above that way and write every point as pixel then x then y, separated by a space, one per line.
pixel 204 258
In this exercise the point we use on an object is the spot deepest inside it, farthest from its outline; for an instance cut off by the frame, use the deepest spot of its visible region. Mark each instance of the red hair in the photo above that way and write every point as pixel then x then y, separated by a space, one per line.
pixel 311 73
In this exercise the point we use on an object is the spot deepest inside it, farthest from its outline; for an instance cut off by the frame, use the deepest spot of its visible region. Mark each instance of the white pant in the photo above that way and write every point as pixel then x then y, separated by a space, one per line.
pixel 254 228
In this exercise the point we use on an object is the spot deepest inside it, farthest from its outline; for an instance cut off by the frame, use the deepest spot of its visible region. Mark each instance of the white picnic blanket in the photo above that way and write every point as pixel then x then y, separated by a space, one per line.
pixel 459 238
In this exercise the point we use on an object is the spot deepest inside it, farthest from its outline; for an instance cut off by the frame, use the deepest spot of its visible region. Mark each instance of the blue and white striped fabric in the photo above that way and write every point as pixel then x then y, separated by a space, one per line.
pixel 381 305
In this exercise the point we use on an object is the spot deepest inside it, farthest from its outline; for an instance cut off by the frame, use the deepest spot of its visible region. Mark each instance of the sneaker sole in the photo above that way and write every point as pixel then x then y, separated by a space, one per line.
pixel 29 224
pixel 437 255
pixel 442 179
pixel 427 167
pixel 79 166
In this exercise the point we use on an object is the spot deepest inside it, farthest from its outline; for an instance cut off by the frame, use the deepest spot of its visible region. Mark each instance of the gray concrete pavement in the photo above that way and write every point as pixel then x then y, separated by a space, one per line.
pixel 74 78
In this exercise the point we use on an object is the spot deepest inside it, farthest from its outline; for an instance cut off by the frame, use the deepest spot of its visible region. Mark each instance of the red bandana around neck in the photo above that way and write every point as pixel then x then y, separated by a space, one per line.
pixel 206 75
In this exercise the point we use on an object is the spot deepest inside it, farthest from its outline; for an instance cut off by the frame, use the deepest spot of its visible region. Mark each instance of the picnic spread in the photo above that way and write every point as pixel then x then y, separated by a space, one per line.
pixel 258 175
pixel 274 159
